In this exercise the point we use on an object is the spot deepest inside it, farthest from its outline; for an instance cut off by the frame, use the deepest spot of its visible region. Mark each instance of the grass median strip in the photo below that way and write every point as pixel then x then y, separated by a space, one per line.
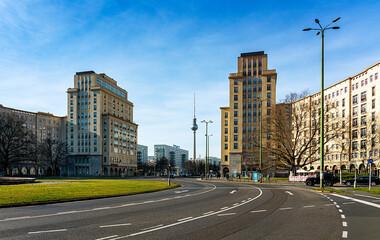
pixel 374 190
pixel 75 189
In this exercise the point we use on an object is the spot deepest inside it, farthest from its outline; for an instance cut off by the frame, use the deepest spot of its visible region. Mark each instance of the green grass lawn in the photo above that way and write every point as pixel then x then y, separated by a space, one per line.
pixel 374 190
pixel 74 189
pixel 329 190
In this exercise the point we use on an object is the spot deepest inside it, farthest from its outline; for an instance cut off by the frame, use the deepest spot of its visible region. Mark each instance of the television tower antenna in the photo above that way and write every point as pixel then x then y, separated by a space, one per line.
pixel 194 127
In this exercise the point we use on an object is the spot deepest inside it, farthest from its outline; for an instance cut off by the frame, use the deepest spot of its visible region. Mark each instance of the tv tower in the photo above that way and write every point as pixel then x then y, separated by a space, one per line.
pixel 194 127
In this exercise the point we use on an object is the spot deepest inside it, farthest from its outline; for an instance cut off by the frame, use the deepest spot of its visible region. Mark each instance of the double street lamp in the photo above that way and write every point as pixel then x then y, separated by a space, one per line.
pixel 321 31
pixel 207 145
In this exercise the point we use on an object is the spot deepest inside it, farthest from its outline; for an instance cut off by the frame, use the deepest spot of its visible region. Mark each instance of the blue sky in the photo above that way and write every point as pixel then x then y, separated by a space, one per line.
pixel 162 52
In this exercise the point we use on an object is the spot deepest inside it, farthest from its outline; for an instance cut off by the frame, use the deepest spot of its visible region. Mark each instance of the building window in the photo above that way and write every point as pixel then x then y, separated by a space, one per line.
pixel 363 96
pixel 364 108
pixel 235 89
pixel 226 115
pixel 225 158
pixel 355 111
pixel 235 137
pixel 235 122
pixel 226 123
pixel 355 99
pixel 235 113
pixel 235 97
pixel 235 130
pixel 235 146
pixel 373 103
pixel 225 146
pixel 226 138
pixel 226 130
pixel 269 95
pixel 236 82
pixel 235 106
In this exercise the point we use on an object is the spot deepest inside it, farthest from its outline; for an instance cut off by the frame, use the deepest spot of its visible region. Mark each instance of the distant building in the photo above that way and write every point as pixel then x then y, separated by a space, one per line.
pixel 43 125
pixel 101 134
pixel 142 154
pixel 173 153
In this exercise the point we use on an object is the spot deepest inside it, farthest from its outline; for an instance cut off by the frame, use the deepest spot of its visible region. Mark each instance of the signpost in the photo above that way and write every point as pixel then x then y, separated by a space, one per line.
pixel 370 161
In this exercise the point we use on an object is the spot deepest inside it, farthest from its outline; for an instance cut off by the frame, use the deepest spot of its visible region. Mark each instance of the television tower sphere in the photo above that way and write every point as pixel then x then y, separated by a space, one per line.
pixel 194 127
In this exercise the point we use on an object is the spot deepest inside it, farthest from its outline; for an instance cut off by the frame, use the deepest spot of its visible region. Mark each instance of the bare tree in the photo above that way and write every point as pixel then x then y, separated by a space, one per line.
pixel 295 131
pixel 54 154
pixel 16 142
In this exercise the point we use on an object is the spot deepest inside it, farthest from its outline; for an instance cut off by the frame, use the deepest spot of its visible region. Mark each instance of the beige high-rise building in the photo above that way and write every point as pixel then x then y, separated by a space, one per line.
pixel 101 134
pixel 252 95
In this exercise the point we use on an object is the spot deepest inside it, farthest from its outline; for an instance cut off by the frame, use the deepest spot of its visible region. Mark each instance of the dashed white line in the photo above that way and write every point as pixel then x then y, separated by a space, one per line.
pixel 349 202
pixel 360 201
pixel 183 219
pixel 335 203
pixel 309 206
pixel 337 206
pixel 223 208
pixel 160 225
pixel 329 204
pixel 116 225
pixel 17 218
pixel 208 213
pixel 340 210
pixel 342 215
pixel 287 208
pixel 344 234
pixel 101 208
pixel 225 214
pixel 233 191
pixel 104 238
pixel 235 204
pixel 48 231
pixel 257 211
pixel 344 224
pixel 290 193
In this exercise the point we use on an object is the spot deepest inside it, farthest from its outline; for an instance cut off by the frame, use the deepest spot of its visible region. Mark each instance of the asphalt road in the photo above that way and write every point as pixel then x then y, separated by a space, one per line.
pixel 202 210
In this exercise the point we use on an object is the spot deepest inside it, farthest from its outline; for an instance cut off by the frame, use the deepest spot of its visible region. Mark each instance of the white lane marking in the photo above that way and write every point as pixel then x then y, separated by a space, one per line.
pixel 150 201
pixel 344 224
pixel 329 204
pixel 286 208
pixel 342 216
pixel 349 202
pixel 225 214
pixel 309 206
pixel 232 192
pixel 344 234
pixel 97 209
pixel 116 225
pixel 104 238
pixel 189 220
pixel 360 201
pixel 337 206
pixel 361 195
pixel 340 210
pixel 257 211
pixel 183 219
pixel 335 203
pixel 244 201
pixel 331 200
pixel 208 212
pixel 48 231
pixel 290 193
pixel 69 212
pixel 235 204
pixel 183 191
pixel 17 218
pixel 101 208
pixel 153 227
pixel 223 208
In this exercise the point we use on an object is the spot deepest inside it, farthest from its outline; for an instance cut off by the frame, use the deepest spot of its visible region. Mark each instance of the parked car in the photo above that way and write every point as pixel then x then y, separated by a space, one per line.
pixel 362 180
pixel 328 180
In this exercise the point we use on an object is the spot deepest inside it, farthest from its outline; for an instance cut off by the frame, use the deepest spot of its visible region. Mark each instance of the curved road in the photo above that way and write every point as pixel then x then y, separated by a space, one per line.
pixel 198 210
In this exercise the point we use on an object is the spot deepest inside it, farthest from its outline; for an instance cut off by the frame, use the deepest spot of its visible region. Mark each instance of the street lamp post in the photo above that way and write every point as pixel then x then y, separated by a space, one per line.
pixel 261 136
pixel 206 155
pixel 321 30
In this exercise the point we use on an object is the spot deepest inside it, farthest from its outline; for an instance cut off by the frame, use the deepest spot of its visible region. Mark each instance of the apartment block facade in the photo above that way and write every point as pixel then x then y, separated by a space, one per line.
pixel 101 134
pixel 43 125
pixel 352 122
pixel 142 154
pixel 252 96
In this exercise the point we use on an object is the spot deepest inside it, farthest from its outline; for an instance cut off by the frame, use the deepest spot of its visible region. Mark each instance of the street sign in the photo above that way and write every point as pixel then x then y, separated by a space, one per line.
pixel 370 160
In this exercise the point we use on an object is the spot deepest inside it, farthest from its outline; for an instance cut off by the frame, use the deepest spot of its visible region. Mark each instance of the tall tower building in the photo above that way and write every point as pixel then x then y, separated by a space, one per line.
pixel 252 95
pixel 101 134
pixel 194 127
